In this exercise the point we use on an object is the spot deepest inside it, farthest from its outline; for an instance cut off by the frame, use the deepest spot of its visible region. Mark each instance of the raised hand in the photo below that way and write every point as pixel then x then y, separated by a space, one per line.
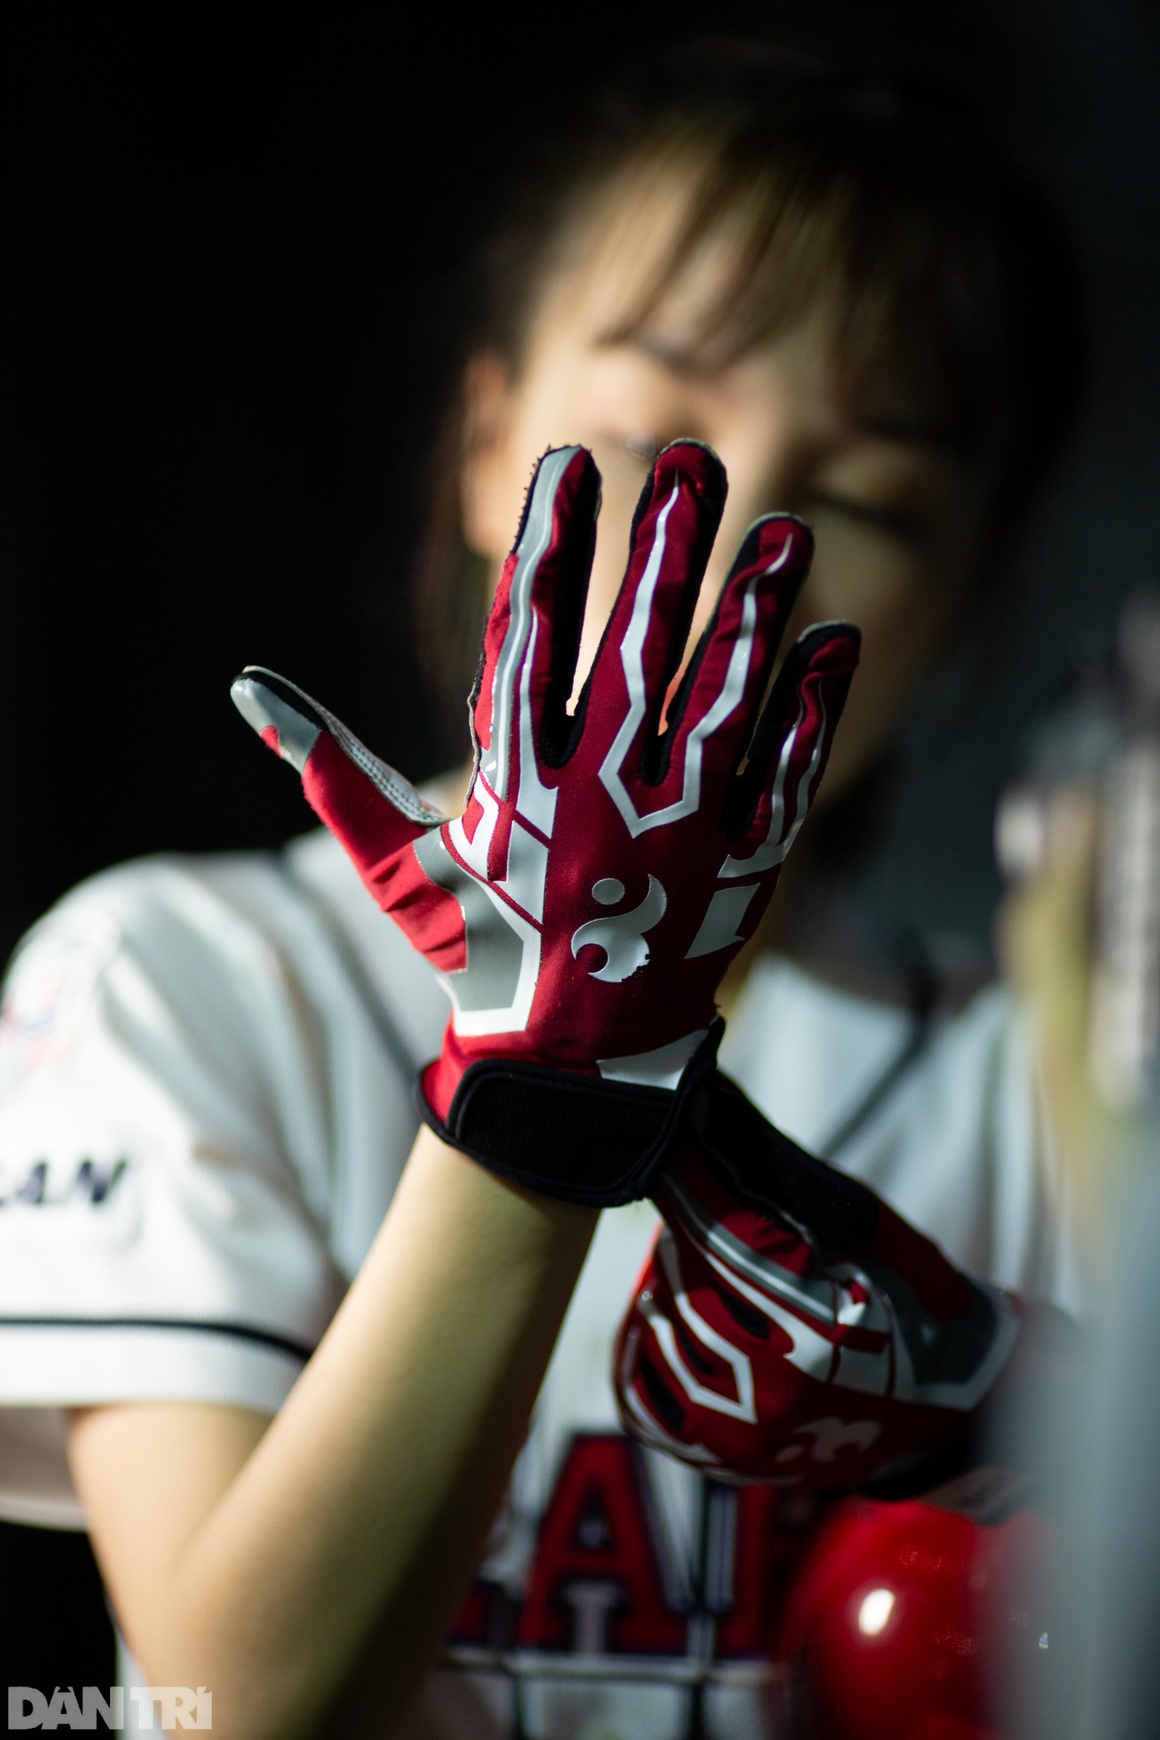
pixel 608 864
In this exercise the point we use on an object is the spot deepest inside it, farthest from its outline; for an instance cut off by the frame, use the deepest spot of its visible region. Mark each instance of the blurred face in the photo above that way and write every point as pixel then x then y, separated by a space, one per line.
pixel 898 515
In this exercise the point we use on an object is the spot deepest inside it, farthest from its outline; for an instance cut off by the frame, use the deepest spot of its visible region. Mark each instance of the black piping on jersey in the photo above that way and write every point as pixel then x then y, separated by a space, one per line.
pixel 372 1004
pixel 239 1331
pixel 922 985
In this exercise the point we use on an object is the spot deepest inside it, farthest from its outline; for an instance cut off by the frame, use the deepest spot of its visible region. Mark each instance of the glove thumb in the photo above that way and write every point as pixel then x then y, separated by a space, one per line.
pixel 370 808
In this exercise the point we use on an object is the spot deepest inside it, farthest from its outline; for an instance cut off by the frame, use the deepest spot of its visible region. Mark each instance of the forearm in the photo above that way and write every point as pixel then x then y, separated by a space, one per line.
pixel 367 1502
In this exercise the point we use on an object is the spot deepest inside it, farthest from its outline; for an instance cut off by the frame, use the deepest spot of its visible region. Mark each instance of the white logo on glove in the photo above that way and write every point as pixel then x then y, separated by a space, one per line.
pixel 621 936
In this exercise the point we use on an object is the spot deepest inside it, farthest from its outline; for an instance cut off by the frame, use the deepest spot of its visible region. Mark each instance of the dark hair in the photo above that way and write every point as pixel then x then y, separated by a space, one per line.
pixel 880 187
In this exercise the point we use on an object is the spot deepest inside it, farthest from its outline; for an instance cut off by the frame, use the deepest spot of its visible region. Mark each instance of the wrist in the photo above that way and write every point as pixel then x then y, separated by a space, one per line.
pixel 577 1137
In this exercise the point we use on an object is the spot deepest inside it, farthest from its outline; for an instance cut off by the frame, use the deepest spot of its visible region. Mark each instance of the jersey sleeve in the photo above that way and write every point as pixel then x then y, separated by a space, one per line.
pixel 791 1328
pixel 163 1156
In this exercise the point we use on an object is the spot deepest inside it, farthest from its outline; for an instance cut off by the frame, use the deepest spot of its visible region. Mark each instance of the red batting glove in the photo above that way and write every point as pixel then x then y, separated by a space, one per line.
pixel 789 1327
pixel 609 864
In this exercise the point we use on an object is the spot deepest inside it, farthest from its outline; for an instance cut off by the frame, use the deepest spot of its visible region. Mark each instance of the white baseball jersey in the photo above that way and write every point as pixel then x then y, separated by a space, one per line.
pixel 205 1106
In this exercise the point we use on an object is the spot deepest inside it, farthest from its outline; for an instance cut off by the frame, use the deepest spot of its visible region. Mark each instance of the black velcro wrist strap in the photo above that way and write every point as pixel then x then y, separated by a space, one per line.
pixel 571 1136
pixel 770 1174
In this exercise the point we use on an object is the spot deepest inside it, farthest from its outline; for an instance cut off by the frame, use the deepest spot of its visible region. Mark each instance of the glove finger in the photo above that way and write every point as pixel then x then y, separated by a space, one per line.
pixel 370 808
pixel 676 521
pixel 713 714
pixel 770 798
pixel 532 637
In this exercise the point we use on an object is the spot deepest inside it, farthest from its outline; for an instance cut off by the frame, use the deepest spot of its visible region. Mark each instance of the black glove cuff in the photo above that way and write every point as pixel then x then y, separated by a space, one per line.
pixel 570 1136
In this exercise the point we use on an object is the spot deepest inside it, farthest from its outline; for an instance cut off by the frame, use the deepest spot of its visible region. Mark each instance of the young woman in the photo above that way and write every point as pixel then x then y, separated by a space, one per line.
pixel 287 1415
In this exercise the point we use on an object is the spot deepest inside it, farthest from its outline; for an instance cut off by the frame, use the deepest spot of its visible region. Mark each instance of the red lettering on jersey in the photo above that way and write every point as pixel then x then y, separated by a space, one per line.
pixel 595 1583
pixel 765 1555
pixel 471 1622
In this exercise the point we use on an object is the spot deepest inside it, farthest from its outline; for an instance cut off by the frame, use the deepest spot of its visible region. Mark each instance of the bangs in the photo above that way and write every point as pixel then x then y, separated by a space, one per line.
pixel 907 271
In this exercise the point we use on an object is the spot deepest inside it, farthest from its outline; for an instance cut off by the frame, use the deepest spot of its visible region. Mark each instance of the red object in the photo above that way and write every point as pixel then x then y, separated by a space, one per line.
pixel 790 1327
pixel 906 1622
pixel 607 867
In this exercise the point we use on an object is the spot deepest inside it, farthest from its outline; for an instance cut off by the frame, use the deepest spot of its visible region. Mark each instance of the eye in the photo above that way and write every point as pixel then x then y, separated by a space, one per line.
pixel 858 510
pixel 642 448
pixel 632 452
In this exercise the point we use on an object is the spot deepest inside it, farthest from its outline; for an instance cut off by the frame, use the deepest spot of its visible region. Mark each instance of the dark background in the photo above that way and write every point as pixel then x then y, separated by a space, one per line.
pixel 226 251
